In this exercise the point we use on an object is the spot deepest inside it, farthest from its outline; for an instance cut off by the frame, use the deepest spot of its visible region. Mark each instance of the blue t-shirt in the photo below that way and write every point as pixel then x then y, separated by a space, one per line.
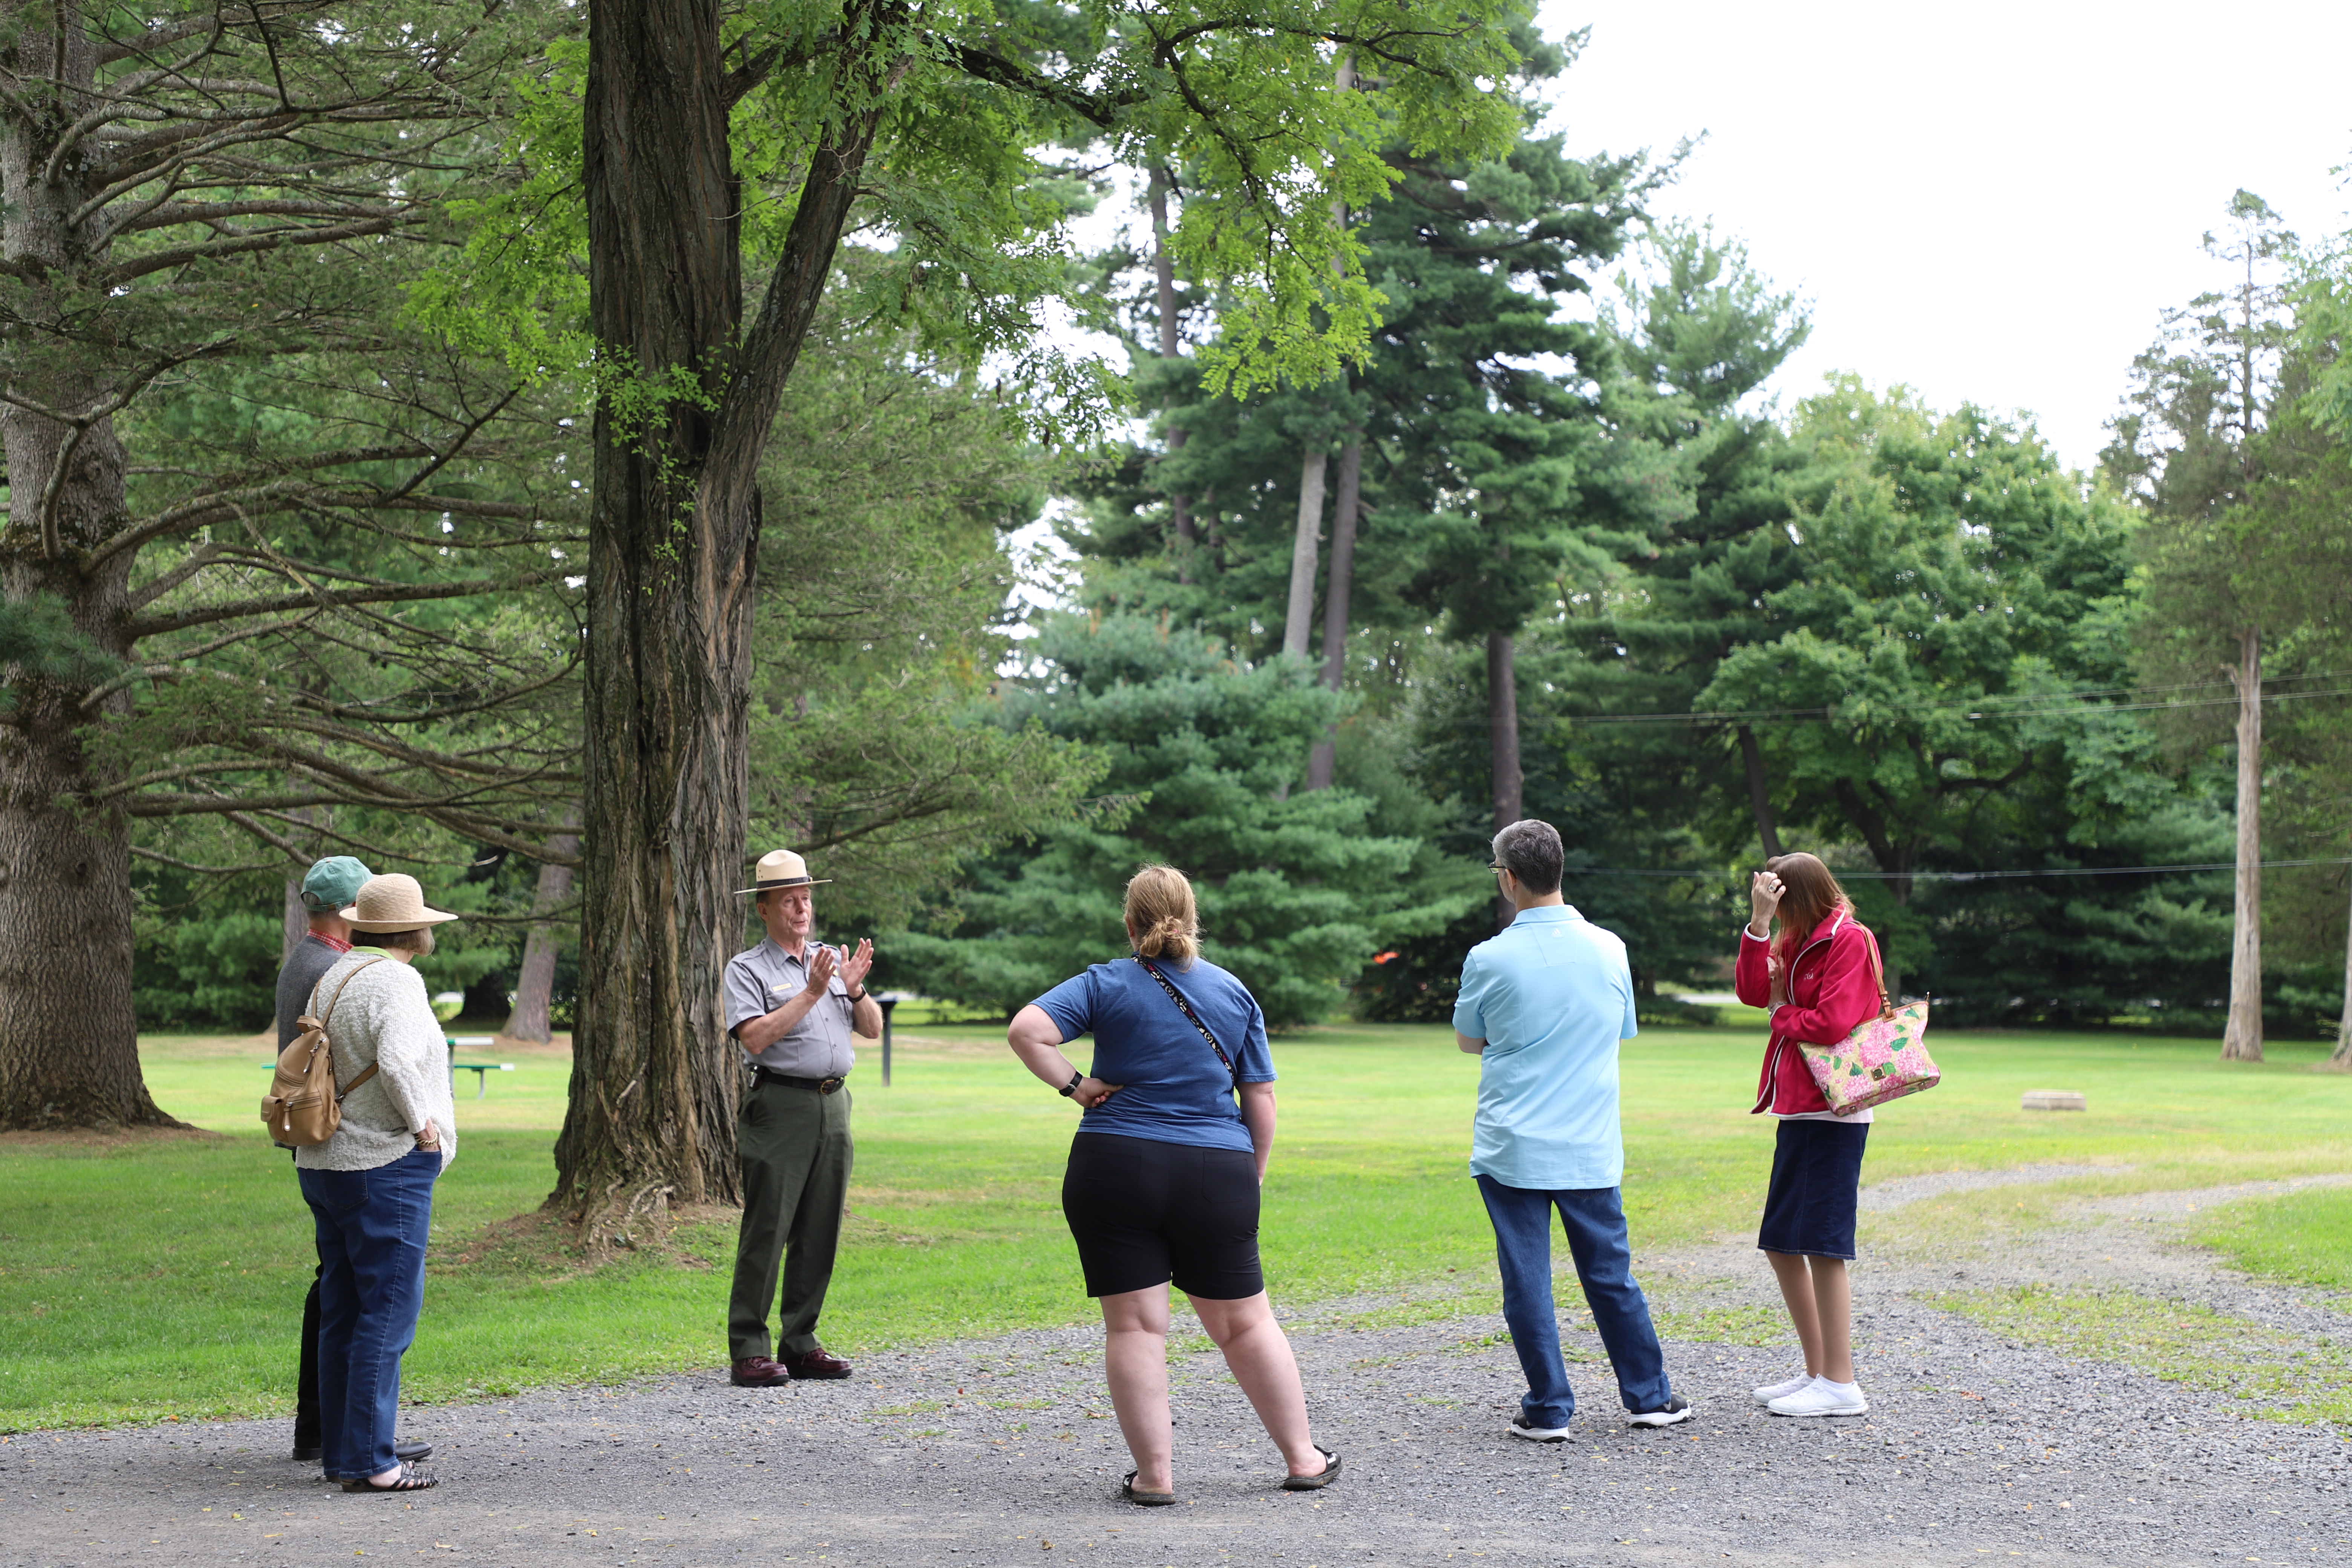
pixel 1551 996
pixel 1175 1090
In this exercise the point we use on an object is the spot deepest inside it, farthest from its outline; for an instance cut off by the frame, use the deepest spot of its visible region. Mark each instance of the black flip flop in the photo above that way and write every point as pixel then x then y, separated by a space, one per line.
pixel 408 1480
pixel 1321 1479
pixel 1138 1496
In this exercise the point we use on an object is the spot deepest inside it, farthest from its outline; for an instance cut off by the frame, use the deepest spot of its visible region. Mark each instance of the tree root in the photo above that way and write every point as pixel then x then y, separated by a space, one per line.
pixel 621 1221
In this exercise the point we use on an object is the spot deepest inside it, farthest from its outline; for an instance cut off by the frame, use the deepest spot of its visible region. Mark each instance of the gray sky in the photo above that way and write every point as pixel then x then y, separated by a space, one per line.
pixel 1991 204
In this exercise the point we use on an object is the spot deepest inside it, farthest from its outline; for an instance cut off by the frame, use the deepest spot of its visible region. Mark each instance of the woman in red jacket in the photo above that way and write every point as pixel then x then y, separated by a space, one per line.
pixel 1821 977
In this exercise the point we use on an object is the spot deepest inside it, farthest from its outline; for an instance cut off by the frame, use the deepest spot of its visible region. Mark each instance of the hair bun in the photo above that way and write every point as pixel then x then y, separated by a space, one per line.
pixel 1161 916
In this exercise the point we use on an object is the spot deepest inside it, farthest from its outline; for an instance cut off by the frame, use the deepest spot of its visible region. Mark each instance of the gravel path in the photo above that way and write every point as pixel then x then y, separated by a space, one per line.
pixel 1001 1451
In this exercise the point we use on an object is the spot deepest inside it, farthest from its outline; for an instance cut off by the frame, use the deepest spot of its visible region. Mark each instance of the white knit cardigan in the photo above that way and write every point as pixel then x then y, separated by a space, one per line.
pixel 383 1017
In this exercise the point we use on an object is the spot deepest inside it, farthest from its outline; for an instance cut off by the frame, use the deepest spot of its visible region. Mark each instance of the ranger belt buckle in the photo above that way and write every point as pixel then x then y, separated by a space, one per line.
pixel 826 1085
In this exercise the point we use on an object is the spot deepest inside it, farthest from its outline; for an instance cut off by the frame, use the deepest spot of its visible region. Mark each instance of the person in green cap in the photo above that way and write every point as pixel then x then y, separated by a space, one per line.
pixel 327 887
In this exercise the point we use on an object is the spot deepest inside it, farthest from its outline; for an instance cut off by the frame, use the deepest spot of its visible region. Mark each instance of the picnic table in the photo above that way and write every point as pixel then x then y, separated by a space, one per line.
pixel 481 1070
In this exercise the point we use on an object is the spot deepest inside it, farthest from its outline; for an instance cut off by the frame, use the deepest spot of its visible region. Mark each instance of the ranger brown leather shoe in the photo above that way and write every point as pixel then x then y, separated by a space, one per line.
pixel 758 1372
pixel 818 1364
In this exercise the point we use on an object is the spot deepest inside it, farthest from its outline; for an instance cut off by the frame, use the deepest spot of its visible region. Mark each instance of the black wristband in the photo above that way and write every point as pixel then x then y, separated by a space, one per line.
pixel 1071 1088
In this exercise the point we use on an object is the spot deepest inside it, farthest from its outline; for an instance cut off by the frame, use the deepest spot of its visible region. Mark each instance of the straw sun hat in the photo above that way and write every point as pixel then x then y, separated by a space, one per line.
pixel 393 902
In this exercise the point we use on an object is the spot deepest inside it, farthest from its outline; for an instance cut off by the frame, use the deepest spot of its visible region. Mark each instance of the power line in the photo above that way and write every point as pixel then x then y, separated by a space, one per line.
pixel 1984 709
pixel 1988 707
pixel 1972 876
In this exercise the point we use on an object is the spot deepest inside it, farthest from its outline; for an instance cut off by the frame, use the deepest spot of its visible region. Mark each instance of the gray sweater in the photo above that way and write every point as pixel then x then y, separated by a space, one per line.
pixel 383 1018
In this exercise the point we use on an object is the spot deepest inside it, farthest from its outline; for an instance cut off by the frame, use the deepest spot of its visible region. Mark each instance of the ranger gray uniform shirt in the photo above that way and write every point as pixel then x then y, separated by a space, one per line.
pixel 764 979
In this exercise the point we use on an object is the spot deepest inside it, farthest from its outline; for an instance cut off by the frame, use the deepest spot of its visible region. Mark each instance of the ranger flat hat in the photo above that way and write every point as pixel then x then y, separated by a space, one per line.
pixel 393 902
pixel 781 868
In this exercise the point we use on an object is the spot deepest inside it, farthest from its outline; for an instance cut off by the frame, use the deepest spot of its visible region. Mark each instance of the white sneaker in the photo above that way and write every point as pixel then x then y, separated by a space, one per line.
pixel 1519 1428
pixel 1822 1397
pixel 1677 1408
pixel 1773 1391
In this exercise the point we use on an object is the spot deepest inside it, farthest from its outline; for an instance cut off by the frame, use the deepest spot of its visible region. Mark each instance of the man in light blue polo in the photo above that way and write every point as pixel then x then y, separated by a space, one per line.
pixel 1543 1007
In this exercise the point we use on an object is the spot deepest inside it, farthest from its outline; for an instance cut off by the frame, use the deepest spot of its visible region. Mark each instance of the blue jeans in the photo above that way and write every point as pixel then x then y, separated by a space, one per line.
pixel 1595 1221
pixel 372 1226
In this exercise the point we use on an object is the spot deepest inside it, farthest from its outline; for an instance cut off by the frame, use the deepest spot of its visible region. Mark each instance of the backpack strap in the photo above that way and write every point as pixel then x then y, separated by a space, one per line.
pixel 327 1017
pixel 1178 997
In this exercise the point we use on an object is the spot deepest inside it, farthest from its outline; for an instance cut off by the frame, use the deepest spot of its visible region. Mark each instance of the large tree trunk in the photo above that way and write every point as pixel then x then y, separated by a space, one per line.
pixel 1304 549
pixel 672 537
pixel 68 1041
pixel 1163 272
pixel 1759 793
pixel 1323 761
pixel 2242 1040
pixel 535 985
pixel 672 547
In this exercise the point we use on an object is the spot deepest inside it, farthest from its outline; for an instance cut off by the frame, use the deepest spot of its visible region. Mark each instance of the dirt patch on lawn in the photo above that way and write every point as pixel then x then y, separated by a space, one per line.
pixel 106 1140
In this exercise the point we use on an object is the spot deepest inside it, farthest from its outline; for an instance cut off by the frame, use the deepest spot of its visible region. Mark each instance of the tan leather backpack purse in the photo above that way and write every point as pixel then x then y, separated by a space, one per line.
pixel 304 1106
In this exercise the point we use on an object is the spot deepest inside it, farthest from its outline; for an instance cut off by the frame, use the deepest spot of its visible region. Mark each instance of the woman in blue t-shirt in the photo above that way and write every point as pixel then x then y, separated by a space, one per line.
pixel 1164 1174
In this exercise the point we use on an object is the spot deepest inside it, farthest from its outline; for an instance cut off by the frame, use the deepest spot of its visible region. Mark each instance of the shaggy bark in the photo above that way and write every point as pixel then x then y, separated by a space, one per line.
pixel 674 530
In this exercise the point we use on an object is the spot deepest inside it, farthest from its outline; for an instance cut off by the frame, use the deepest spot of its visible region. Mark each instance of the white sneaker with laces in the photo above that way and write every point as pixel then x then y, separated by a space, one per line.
pixel 1822 1397
pixel 1773 1391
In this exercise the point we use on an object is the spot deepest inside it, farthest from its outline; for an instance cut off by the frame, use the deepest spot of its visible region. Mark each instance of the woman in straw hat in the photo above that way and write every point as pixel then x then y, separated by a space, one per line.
pixel 370 1186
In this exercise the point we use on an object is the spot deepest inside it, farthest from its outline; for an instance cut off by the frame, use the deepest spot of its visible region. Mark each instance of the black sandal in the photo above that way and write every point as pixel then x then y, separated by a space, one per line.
pixel 408 1480
pixel 1317 1481
pixel 1141 1498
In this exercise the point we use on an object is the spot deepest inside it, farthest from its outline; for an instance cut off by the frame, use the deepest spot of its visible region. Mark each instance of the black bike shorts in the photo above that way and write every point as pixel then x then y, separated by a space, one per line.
pixel 1144 1213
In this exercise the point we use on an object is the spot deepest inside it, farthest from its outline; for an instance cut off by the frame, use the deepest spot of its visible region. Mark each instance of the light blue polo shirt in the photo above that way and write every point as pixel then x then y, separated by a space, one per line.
pixel 1551 996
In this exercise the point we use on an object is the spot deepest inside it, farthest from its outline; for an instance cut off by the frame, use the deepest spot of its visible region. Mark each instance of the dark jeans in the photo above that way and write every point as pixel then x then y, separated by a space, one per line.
pixel 1595 1221
pixel 305 1385
pixel 792 1145
pixel 372 1226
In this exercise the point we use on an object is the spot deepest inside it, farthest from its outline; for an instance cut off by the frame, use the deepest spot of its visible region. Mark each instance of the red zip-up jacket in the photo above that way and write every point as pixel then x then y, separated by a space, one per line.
pixel 1832 986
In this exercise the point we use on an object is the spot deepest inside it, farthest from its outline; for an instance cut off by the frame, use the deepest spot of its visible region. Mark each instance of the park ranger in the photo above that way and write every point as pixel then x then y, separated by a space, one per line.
pixel 792 1004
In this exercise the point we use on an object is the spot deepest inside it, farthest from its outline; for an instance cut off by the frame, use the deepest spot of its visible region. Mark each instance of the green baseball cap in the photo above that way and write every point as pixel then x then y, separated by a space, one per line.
pixel 334 882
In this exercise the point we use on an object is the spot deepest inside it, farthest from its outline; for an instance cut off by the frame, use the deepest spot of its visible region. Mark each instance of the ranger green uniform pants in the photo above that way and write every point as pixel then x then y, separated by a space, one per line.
pixel 794 1149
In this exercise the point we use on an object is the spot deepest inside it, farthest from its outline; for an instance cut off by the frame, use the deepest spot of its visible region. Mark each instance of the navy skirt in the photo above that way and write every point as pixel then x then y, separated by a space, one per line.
pixel 1816 1177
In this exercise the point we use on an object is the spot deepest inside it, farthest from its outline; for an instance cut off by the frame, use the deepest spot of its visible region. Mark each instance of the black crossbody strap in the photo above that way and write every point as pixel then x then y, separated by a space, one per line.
pixel 1178 997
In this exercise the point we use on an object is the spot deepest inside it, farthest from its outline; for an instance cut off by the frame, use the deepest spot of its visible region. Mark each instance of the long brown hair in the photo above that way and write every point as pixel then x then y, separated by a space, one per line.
pixel 1810 895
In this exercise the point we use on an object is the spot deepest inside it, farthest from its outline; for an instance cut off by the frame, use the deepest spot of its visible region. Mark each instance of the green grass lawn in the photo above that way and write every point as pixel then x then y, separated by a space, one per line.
pixel 2306 1238
pixel 160 1278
